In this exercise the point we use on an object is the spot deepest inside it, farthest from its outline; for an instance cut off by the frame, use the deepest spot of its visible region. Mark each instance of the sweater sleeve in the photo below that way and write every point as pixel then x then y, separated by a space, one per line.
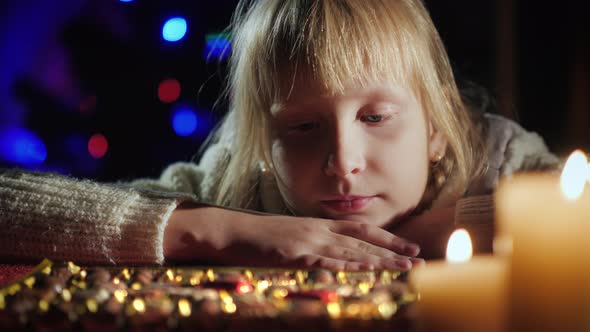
pixel 48 215
pixel 476 215
pixel 511 149
pixel 61 218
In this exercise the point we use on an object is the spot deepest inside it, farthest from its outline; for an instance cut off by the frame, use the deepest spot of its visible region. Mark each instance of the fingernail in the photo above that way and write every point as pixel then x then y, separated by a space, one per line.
pixel 404 264
pixel 417 262
pixel 412 249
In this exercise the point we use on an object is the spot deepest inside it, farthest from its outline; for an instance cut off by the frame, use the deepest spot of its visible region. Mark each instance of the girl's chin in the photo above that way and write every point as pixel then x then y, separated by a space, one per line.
pixel 384 221
pixel 360 218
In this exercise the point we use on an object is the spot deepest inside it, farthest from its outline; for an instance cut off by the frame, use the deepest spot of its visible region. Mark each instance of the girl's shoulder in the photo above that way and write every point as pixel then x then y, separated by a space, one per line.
pixel 198 179
pixel 510 149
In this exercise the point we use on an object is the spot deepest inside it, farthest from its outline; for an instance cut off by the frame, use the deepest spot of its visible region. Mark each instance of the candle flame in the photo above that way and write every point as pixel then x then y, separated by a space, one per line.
pixel 574 175
pixel 459 248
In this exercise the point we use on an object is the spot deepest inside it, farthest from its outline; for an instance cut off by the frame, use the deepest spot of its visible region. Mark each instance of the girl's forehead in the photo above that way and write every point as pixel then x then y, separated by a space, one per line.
pixel 337 81
pixel 307 95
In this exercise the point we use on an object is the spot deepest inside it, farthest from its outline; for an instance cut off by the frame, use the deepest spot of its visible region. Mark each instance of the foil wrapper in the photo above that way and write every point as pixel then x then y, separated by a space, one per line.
pixel 62 296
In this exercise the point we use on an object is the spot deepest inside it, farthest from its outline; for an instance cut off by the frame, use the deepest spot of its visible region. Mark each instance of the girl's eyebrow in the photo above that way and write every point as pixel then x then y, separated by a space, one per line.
pixel 388 93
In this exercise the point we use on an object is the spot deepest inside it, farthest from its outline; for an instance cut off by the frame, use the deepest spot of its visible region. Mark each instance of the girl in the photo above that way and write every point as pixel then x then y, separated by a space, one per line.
pixel 345 128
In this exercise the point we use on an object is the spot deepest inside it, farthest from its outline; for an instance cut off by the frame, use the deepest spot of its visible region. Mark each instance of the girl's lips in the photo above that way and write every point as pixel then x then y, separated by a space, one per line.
pixel 352 204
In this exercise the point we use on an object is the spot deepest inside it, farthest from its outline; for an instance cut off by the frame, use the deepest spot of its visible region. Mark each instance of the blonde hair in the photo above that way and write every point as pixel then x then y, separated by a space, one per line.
pixel 337 42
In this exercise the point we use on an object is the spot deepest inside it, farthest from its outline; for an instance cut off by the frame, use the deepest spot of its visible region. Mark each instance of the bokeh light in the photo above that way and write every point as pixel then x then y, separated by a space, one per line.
pixel 174 29
pixel 21 146
pixel 217 46
pixel 126 0
pixel 98 146
pixel 169 90
pixel 184 122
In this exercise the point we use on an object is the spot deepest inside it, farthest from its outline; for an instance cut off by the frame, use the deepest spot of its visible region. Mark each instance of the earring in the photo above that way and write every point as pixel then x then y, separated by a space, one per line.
pixel 437 170
pixel 263 168
pixel 436 160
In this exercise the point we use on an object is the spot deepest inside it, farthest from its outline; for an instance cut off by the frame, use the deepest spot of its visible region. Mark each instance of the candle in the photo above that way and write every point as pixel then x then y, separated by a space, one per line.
pixel 463 293
pixel 548 219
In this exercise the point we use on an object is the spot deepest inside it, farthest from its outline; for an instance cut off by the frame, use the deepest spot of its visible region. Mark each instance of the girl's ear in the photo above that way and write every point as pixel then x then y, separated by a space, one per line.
pixel 437 144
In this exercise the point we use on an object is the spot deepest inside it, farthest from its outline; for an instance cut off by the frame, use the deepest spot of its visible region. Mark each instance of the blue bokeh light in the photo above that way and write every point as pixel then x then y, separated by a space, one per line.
pixel 126 0
pixel 217 46
pixel 184 122
pixel 174 29
pixel 21 146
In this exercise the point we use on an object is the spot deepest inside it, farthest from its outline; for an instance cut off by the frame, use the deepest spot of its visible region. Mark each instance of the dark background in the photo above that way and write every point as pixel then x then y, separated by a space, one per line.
pixel 72 69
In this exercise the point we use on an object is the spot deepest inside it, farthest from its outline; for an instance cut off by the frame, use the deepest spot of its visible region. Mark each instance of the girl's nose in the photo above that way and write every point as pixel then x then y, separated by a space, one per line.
pixel 336 167
pixel 346 158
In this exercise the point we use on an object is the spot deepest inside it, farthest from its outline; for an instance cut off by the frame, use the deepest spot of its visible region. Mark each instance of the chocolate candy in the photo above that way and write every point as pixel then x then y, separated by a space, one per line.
pixel 67 296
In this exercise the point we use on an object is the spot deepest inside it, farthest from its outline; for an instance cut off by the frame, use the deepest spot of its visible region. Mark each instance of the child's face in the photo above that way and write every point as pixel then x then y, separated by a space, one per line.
pixel 362 155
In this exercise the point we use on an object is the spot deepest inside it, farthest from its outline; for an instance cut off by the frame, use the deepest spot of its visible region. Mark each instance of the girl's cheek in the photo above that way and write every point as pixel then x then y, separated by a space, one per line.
pixel 301 146
pixel 292 157
pixel 287 155
pixel 386 134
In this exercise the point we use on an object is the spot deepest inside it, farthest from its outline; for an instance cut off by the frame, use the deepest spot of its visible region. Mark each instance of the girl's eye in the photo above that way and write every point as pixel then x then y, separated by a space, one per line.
pixel 374 118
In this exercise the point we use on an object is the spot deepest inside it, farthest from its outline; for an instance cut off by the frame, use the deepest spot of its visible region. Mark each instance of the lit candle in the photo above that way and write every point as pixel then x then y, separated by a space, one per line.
pixel 548 219
pixel 463 293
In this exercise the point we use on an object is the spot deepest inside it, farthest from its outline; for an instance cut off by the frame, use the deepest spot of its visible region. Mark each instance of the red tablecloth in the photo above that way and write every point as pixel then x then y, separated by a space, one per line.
pixel 9 272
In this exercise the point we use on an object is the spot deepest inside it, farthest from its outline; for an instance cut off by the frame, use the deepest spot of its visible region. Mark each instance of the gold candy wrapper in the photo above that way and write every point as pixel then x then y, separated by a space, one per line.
pixel 58 296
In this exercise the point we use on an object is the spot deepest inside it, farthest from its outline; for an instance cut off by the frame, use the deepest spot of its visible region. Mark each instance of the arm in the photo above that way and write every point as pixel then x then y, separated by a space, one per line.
pixel 432 229
pixel 47 215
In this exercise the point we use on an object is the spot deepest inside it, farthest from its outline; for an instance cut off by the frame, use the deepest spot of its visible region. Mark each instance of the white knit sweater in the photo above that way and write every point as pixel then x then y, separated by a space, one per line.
pixel 61 218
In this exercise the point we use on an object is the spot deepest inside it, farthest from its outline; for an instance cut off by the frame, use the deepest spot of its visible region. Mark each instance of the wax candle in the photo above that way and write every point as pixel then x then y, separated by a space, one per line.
pixel 548 219
pixel 463 293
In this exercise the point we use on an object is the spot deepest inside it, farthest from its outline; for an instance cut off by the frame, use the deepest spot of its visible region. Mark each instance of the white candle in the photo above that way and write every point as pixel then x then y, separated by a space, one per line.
pixel 463 293
pixel 548 219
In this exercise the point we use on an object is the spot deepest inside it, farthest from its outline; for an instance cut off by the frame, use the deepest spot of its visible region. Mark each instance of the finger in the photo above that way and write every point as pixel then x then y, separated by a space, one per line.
pixel 323 262
pixel 417 261
pixel 377 262
pixel 354 244
pixel 376 236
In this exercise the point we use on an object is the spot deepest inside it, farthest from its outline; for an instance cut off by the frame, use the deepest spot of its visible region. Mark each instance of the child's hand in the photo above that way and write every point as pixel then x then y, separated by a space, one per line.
pixel 236 238
pixel 309 242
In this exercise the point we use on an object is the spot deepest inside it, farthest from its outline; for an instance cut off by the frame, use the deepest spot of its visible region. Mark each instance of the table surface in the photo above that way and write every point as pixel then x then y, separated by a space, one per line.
pixel 11 272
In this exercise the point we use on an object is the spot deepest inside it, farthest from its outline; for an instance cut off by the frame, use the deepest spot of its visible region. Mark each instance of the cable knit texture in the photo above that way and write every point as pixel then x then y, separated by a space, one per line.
pixel 511 149
pixel 46 215
pixel 476 215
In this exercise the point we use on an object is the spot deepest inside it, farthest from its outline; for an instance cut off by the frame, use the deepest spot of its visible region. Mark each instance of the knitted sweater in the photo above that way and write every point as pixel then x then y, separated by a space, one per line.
pixel 48 215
